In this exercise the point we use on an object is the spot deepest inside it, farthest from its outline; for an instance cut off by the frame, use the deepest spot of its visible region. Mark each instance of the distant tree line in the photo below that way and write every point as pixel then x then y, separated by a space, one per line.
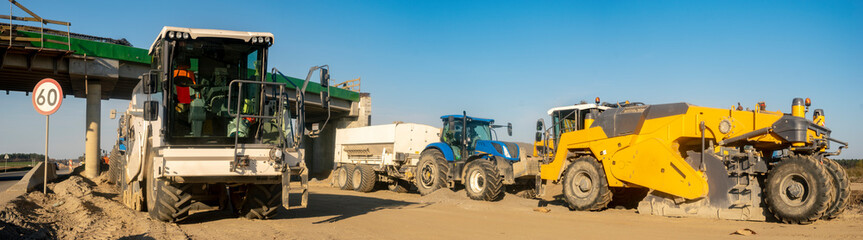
pixel 850 163
pixel 21 157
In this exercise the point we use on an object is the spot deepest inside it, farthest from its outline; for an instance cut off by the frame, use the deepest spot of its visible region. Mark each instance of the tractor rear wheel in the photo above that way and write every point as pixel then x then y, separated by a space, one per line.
pixel 343 177
pixel 364 178
pixel 798 190
pixel 482 181
pixel 431 172
pixel 261 201
pixel 585 186
pixel 841 187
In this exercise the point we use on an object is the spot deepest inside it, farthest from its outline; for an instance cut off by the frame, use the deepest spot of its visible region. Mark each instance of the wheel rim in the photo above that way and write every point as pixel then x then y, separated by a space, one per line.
pixel 427 175
pixel 476 180
pixel 357 178
pixel 794 190
pixel 581 184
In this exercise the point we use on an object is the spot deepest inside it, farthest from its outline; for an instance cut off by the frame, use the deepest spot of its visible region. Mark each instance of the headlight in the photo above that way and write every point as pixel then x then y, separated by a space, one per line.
pixel 254 40
pixel 170 34
pixel 186 36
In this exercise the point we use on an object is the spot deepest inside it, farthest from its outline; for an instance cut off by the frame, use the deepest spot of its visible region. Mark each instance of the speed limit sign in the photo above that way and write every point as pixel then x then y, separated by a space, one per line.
pixel 47 96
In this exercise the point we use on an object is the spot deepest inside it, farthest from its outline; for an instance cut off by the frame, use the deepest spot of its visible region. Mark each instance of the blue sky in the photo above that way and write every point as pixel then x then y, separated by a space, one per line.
pixel 507 60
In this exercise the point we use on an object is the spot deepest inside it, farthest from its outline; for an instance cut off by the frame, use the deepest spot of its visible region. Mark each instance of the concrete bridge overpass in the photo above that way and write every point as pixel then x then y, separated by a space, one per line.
pixel 99 68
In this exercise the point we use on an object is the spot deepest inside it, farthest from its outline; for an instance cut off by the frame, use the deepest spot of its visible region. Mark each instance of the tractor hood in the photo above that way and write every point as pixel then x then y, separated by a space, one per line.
pixel 506 150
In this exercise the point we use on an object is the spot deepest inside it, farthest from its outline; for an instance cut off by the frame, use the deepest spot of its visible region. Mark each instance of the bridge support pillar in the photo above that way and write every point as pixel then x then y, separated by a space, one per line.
pixel 93 113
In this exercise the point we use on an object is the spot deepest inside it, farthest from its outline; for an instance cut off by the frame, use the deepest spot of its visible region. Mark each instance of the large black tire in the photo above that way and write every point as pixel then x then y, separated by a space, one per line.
pixel 165 201
pixel 399 186
pixel 172 201
pixel 431 172
pixel 841 187
pixel 798 190
pixel 482 182
pixel 261 201
pixel 364 178
pixel 115 166
pixel 585 186
pixel 343 177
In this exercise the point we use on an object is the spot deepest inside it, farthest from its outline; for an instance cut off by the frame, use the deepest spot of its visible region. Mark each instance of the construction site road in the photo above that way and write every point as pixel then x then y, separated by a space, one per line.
pixel 7 179
pixel 339 214
pixel 79 209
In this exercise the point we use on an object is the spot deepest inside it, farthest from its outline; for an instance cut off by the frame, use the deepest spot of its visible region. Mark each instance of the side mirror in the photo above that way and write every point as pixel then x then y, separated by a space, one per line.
pixel 539 136
pixel 509 129
pixel 540 124
pixel 149 82
pixel 325 85
pixel 151 110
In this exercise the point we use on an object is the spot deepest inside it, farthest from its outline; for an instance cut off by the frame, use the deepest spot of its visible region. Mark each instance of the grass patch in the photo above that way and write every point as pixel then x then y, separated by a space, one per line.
pixel 14 164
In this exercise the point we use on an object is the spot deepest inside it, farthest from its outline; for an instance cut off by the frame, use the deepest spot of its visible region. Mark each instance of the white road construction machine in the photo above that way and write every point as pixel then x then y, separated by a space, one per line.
pixel 206 125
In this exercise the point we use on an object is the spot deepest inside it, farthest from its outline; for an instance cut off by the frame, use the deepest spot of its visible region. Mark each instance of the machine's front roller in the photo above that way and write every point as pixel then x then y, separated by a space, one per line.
pixel 799 190
pixel 431 172
pixel 483 182
pixel 585 186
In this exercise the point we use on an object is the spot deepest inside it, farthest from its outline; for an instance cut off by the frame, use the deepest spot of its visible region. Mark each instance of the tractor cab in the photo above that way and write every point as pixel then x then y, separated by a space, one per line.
pixel 473 136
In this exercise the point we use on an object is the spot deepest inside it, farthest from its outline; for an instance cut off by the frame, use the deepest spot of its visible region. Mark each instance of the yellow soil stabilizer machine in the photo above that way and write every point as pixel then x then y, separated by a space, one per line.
pixel 697 161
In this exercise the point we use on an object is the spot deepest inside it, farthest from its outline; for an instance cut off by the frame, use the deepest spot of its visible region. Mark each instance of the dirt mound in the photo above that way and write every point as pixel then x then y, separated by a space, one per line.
pixel 459 198
pixel 76 209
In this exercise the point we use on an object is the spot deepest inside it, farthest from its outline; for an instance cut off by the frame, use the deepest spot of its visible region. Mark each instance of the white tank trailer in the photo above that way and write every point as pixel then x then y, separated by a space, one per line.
pixel 384 154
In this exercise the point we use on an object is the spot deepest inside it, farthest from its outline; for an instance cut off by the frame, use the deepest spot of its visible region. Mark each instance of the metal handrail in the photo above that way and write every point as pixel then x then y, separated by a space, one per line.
pixel 42 30
pixel 238 115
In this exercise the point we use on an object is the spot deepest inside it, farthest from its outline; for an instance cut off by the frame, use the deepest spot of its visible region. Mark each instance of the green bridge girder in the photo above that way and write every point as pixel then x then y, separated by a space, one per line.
pixel 140 55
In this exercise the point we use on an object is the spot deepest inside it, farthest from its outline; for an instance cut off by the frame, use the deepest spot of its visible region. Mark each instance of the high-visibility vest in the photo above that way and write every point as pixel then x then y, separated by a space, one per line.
pixel 183 95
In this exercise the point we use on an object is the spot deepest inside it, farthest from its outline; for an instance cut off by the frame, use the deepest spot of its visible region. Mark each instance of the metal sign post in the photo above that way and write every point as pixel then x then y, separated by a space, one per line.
pixel 47 97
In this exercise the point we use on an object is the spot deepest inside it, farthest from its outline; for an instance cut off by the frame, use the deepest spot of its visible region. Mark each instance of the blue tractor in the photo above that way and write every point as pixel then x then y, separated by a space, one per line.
pixel 469 153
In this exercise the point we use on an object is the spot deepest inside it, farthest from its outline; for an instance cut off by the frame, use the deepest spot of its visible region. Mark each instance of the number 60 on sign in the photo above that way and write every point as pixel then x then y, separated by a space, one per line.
pixel 47 96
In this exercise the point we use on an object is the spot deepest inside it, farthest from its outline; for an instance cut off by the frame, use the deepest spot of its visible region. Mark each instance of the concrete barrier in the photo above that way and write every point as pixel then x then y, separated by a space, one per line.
pixel 29 182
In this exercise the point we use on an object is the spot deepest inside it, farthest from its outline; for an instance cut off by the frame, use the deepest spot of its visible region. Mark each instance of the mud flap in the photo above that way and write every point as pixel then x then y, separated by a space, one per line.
pixel 733 194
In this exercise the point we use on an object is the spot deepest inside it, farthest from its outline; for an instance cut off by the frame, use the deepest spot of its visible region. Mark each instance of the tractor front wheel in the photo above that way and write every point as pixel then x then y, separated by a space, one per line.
pixel 482 181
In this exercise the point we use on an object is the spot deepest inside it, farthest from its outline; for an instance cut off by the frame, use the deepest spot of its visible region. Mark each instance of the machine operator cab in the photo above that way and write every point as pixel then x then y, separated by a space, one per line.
pixel 475 136
pixel 568 119
pixel 195 68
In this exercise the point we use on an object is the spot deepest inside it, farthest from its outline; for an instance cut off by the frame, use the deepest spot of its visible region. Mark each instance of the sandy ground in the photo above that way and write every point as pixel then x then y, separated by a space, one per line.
pixel 338 214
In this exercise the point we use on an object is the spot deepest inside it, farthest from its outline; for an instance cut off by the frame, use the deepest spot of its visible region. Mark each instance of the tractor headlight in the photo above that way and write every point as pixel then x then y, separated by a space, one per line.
pixel 254 40
pixel 170 34
pixel 186 36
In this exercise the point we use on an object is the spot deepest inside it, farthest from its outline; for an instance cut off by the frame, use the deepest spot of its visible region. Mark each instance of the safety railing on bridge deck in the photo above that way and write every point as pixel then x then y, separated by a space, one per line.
pixel 351 85
pixel 8 32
